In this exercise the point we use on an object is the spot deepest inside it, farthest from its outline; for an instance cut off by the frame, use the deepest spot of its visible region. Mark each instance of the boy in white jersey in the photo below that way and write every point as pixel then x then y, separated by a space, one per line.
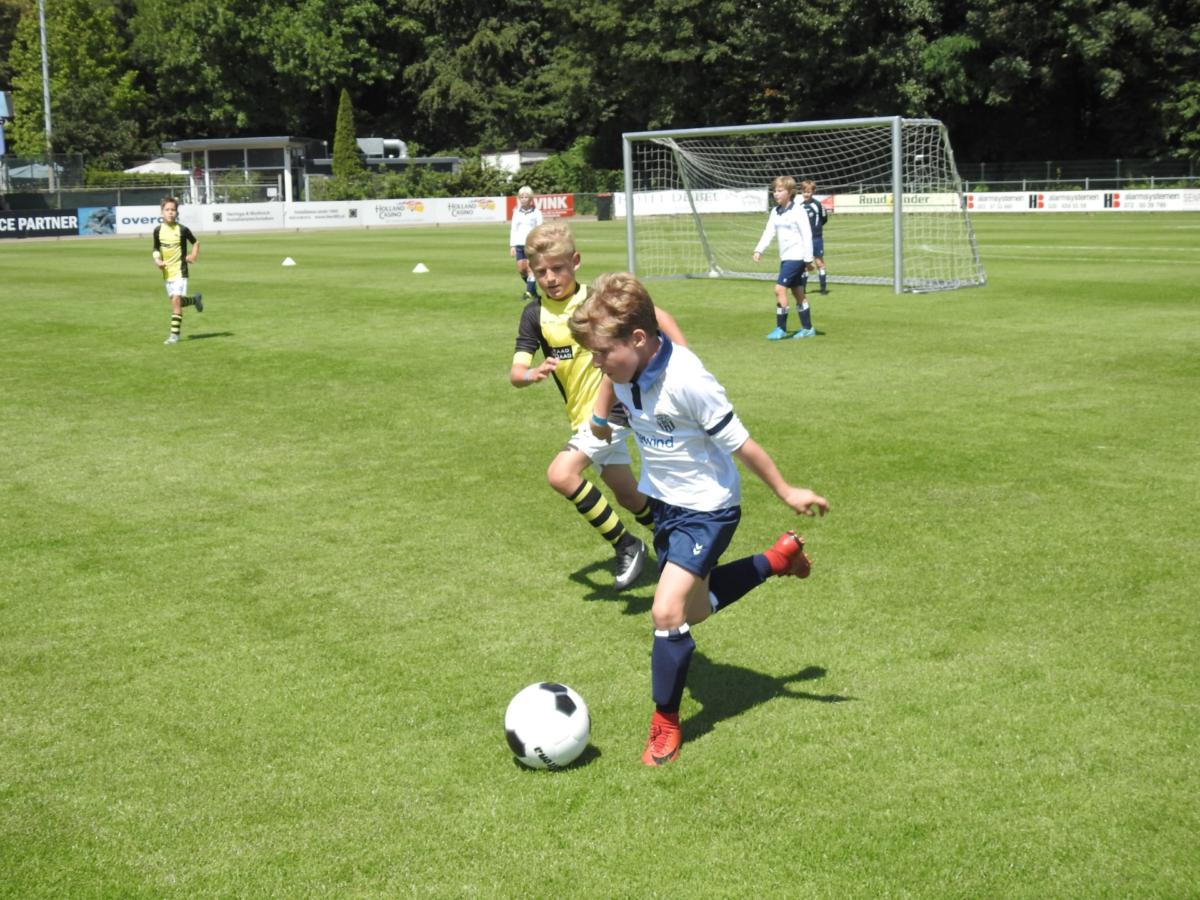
pixel 526 217
pixel 789 224
pixel 688 436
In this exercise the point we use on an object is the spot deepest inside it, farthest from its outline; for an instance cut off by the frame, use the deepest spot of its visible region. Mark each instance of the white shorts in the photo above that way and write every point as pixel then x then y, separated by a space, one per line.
pixel 600 453
pixel 176 286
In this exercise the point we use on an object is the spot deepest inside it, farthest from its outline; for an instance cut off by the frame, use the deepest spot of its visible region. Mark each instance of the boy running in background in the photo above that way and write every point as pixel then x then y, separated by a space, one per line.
pixel 688 436
pixel 554 260
pixel 790 225
pixel 170 254
pixel 526 217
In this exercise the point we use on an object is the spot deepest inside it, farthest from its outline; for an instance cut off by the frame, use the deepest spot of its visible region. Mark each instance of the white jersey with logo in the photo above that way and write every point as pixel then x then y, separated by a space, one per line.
pixel 790 225
pixel 523 222
pixel 686 432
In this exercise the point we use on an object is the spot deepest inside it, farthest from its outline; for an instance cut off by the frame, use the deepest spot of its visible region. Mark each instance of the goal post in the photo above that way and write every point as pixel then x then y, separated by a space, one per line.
pixel 695 201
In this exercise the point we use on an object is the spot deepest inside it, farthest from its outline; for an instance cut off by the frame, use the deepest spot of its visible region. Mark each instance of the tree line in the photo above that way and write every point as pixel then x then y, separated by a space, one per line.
pixel 1011 79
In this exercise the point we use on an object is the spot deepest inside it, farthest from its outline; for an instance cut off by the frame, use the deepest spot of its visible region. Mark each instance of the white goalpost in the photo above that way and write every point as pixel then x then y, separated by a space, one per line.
pixel 696 201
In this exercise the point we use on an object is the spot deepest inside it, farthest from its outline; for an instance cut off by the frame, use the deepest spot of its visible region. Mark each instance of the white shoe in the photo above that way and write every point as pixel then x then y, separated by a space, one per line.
pixel 171 339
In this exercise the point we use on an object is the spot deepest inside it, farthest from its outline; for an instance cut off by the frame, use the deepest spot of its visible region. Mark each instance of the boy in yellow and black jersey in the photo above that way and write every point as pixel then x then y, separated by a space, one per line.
pixel 171 241
pixel 553 261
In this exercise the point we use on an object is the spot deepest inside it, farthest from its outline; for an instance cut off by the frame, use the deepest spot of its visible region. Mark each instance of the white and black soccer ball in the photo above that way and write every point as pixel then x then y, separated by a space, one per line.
pixel 547 725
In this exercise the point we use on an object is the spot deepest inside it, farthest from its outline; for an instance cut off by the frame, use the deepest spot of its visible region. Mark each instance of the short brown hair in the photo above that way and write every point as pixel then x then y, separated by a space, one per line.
pixel 166 200
pixel 807 185
pixel 550 239
pixel 617 305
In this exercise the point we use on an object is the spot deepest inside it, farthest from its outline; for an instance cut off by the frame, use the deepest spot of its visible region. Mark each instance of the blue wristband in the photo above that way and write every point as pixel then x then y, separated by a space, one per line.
pixel 596 420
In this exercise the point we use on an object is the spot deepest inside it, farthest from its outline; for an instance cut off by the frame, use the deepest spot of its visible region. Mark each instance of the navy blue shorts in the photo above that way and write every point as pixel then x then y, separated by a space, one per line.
pixel 690 539
pixel 818 248
pixel 790 271
pixel 520 251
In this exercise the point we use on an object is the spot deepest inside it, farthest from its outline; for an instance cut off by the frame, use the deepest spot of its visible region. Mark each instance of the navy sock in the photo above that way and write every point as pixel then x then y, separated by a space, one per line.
pixel 781 314
pixel 805 316
pixel 730 582
pixel 669 660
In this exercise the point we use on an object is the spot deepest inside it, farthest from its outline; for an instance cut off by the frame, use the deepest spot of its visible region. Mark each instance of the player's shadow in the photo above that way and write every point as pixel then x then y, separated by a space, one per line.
pixel 597 579
pixel 205 335
pixel 724 691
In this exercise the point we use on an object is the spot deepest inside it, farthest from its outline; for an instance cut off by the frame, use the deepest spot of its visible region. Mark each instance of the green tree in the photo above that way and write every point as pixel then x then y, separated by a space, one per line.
pixel 570 171
pixel 313 45
pixel 473 81
pixel 10 15
pixel 1181 103
pixel 225 67
pixel 347 162
pixel 350 179
pixel 205 67
pixel 95 99
pixel 1078 78
pixel 1013 79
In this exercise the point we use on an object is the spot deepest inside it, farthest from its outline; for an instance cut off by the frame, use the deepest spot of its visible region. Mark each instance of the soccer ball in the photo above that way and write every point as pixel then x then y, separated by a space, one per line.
pixel 547 725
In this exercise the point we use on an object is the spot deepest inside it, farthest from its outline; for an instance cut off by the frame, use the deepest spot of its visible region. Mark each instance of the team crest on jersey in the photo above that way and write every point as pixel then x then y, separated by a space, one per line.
pixel 665 424
pixel 562 352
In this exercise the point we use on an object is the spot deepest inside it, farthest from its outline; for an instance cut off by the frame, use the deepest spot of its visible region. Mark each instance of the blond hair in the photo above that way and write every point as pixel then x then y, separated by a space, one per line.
pixel 785 181
pixel 617 305
pixel 525 191
pixel 550 239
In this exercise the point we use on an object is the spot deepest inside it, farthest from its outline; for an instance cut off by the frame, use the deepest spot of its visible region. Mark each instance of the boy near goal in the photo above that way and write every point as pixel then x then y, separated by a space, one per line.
pixel 818 215
pixel 788 224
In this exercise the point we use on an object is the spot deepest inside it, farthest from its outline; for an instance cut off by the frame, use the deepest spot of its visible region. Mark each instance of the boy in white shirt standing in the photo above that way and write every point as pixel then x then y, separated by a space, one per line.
pixel 526 217
pixel 688 436
pixel 789 223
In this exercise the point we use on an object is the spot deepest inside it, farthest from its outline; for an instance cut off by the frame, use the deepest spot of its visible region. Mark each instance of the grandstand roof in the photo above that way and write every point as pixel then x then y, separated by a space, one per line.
pixel 242 143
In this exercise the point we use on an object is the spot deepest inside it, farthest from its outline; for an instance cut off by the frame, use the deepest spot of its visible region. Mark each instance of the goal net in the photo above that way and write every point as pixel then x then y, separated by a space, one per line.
pixel 696 201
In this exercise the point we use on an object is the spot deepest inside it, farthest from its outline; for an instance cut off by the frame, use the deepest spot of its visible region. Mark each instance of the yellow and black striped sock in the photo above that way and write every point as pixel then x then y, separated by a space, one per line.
pixel 645 517
pixel 176 324
pixel 187 301
pixel 593 506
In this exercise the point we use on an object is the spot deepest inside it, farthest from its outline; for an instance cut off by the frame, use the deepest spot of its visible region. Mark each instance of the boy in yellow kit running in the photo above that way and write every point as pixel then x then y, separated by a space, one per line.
pixel 553 261
pixel 170 254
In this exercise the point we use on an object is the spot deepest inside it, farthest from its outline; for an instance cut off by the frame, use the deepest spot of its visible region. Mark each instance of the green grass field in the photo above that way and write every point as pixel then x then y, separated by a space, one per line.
pixel 265 595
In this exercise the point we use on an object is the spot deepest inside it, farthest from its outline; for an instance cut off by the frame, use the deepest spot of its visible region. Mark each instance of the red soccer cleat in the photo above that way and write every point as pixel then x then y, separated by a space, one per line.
pixel 662 746
pixel 787 556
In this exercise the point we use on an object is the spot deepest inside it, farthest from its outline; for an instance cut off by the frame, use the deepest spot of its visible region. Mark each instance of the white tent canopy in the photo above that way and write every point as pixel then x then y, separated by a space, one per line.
pixel 158 165
pixel 33 171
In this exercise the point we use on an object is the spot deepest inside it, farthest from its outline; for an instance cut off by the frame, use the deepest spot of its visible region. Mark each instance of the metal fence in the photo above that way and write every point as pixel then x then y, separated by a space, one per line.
pixel 1083 174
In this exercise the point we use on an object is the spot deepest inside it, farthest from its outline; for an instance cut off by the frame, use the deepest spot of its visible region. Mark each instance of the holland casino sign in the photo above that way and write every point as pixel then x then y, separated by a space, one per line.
pixel 478 208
